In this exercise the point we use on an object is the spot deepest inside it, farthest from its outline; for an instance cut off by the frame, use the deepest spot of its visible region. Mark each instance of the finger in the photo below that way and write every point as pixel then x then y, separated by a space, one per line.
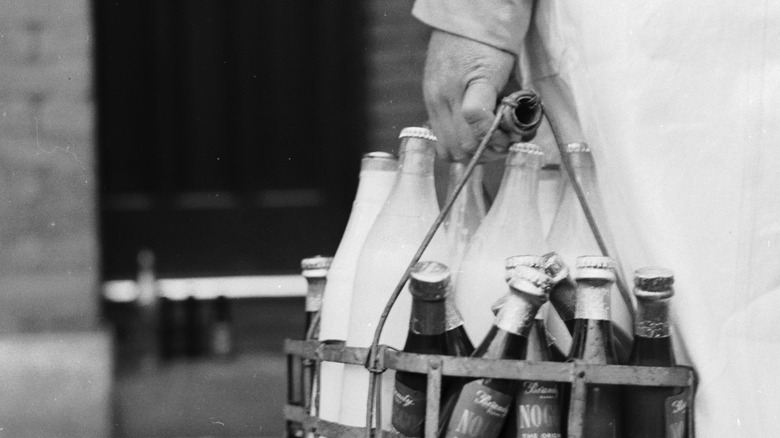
pixel 478 110
pixel 443 126
pixel 479 102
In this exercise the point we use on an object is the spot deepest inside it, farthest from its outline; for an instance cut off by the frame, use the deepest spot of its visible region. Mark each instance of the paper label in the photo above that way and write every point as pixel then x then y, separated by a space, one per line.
pixel 677 415
pixel 479 412
pixel 408 411
pixel 538 410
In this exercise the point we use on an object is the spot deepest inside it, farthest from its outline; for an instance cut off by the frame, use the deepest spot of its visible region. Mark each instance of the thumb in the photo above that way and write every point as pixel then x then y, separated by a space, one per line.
pixel 478 110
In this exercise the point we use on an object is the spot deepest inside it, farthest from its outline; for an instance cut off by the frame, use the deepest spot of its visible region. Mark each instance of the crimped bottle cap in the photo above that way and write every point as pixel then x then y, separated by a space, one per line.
pixel 555 267
pixel 430 281
pixel 417 132
pixel 596 268
pixel 522 260
pixel 526 279
pixel 316 266
pixel 577 147
pixel 379 161
pixel 527 148
pixel 652 282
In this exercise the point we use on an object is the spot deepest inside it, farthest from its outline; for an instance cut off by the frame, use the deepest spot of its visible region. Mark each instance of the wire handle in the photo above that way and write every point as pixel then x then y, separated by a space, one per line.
pixel 521 109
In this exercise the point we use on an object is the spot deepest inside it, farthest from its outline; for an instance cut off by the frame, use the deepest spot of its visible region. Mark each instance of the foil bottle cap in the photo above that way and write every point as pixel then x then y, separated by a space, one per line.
pixel 526 148
pixel 595 268
pixel 512 263
pixel 417 132
pixel 522 260
pixel 430 281
pixel 316 266
pixel 555 267
pixel 653 283
pixel 530 281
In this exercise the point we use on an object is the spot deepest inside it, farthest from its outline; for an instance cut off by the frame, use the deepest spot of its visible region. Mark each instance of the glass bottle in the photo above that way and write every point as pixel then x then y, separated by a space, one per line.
pixel 222 329
pixel 646 413
pixel 466 213
pixel 377 174
pixel 410 210
pixel 593 343
pixel 571 236
pixel 512 226
pixel 478 408
pixel 538 406
pixel 148 303
pixel 434 328
pixel 315 271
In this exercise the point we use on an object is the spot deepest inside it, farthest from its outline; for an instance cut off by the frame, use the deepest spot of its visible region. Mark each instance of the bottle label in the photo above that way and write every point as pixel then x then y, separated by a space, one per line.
pixel 592 303
pixel 408 411
pixel 538 410
pixel 677 414
pixel 479 412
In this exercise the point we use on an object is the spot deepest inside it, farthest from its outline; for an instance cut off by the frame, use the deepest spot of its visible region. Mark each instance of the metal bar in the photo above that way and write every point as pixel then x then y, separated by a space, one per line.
pixel 327 428
pixel 625 293
pixel 679 376
pixel 577 405
pixel 433 397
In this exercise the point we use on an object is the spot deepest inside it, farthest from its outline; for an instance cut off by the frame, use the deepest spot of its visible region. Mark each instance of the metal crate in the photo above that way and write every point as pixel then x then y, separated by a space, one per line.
pixel 577 373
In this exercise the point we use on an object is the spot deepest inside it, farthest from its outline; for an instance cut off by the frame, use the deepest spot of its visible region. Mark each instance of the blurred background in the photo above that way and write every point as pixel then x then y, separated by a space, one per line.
pixel 218 140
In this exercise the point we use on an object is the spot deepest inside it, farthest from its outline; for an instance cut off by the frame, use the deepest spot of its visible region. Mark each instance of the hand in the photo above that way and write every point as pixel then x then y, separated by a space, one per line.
pixel 463 79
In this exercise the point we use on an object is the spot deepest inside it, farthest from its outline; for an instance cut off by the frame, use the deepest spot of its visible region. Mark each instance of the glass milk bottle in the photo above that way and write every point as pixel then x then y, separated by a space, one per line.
pixel 511 227
pixel 466 213
pixel 377 175
pixel 409 212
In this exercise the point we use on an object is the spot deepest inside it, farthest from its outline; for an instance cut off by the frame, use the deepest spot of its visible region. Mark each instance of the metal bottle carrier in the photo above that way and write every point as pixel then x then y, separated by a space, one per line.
pixel 577 373
pixel 521 113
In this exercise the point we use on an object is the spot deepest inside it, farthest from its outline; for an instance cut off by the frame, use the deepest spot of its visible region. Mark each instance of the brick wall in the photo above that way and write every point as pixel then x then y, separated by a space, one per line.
pixel 48 255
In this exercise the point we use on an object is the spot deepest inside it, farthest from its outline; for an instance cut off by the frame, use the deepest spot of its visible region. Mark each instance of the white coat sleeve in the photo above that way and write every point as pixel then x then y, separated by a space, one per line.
pixel 498 23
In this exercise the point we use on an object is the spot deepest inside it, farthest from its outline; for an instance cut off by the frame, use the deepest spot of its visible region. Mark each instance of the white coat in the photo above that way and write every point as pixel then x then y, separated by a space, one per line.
pixel 680 102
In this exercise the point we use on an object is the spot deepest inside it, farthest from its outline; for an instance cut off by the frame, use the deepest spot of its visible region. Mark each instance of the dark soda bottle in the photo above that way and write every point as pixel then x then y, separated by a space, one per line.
pixel 435 327
pixel 479 407
pixel 593 343
pixel 646 407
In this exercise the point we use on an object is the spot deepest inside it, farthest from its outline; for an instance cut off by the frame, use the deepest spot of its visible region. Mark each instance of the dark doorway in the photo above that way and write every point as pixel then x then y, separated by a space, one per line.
pixel 229 132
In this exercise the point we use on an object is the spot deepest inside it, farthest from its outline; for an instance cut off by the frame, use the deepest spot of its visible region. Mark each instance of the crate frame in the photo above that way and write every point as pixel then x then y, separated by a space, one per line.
pixel 577 373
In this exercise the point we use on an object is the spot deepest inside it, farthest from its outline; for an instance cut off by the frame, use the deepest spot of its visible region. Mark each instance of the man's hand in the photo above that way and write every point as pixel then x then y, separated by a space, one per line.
pixel 463 79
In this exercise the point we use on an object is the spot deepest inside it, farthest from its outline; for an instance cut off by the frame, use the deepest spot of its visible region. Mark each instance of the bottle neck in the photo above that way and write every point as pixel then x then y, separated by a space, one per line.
pixel 519 188
pixel 517 314
pixel 652 319
pixel 374 185
pixel 314 293
pixel 593 301
pixel 432 318
pixel 416 157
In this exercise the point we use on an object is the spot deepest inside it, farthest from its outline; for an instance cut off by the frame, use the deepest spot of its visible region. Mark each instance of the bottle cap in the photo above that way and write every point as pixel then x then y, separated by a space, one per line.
pixel 417 132
pixel 430 281
pixel 596 268
pixel 528 280
pixel 522 260
pixel 555 267
pixel 527 148
pixel 316 266
pixel 379 161
pixel 577 147
pixel 652 282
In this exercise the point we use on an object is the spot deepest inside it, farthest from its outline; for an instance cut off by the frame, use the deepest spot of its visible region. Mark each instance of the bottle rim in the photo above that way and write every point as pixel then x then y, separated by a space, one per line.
pixel 417 132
